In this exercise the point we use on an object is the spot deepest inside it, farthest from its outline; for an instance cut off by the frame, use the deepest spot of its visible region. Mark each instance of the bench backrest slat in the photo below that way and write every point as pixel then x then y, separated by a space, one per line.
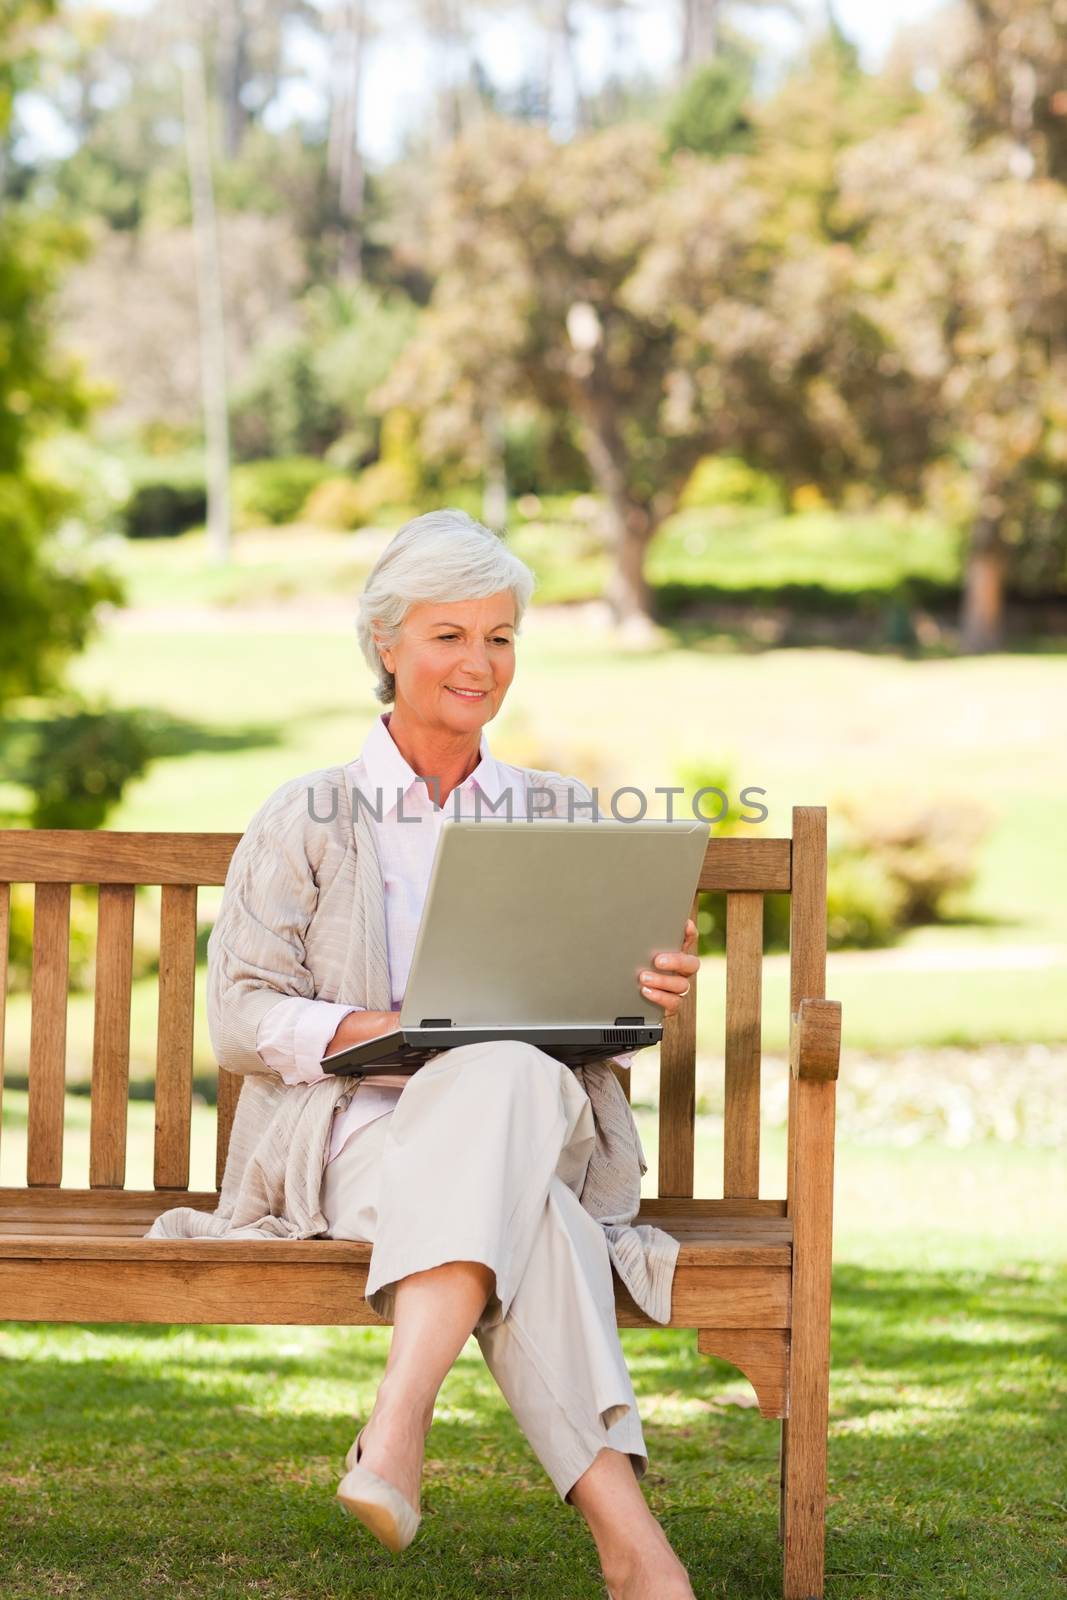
pixel 111 1037
pixel 677 1094
pixel 741 1116
pixel 48 1032
pixel 61 855
pixel 174 1041
pixel 5 940
pixel 807 936
pixel 757 865
pixel 229 1093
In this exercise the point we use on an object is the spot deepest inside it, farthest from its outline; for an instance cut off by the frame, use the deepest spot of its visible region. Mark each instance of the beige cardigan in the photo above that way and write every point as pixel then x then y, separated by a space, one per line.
pixel 303 913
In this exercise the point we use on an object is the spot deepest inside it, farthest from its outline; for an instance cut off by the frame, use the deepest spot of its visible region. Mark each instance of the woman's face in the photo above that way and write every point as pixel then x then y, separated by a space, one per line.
pixel 446 647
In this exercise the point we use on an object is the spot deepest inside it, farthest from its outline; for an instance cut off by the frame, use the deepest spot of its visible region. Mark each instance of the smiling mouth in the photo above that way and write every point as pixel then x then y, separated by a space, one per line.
pixel 468 694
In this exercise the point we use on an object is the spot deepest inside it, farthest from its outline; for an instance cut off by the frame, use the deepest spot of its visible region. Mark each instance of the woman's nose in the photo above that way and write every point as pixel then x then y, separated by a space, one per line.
pixel 476 663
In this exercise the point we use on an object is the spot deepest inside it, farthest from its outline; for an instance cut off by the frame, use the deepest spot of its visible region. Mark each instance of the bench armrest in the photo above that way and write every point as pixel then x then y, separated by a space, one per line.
pixel 815 1040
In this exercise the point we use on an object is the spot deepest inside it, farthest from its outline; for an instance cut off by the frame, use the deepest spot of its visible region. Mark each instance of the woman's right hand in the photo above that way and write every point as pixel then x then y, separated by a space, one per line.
pixel 359 1026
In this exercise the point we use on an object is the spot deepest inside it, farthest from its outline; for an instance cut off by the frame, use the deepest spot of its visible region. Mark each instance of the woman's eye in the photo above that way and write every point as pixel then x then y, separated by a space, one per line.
pixel 443 637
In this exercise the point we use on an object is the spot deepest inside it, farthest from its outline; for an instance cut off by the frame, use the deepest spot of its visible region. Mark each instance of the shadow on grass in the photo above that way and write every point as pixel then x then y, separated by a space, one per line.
pixel 204 1461
pixel 167 735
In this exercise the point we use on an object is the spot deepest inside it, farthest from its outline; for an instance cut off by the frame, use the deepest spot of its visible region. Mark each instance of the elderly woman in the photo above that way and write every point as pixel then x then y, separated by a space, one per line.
pixel 496 1185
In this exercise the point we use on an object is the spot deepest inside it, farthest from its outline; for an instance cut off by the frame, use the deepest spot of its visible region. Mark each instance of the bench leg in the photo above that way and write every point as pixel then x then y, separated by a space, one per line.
pixel 804 1431
pixel 802 1514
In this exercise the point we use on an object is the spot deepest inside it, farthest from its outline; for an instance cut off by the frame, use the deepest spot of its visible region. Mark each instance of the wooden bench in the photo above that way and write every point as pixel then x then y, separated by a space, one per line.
pixel 753 1274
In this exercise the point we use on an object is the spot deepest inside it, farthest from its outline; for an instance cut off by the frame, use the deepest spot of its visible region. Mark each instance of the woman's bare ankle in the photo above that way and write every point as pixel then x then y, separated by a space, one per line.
pixel 639 1564
pixel 647 1574
pixel 392 1401
pixel 394 1444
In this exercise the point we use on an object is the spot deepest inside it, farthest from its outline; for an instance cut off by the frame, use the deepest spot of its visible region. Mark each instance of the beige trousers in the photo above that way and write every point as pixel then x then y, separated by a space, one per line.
pixel 483 1159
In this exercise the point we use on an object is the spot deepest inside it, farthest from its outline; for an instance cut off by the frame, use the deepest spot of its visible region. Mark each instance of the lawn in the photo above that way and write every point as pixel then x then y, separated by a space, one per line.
pixel 202 1462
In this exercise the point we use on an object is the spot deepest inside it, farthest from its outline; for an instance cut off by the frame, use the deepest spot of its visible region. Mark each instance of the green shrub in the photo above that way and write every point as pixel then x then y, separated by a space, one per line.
pixel 729 481
pixel 163 509
pixel 280 405
pixel 335 503
pixel 927 844
pixel 864 903
pixel 385 484
pixel 542 456
pixel 708 114
pixel 395 483
pixel 275 491
pixel 76 765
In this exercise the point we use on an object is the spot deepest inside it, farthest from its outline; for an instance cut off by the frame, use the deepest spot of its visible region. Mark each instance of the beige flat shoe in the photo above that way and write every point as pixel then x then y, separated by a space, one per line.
pixel 379 1505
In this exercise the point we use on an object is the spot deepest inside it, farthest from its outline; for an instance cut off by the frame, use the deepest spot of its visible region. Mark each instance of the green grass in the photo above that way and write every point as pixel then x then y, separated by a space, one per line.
pixel 180 1462
pixel 269 565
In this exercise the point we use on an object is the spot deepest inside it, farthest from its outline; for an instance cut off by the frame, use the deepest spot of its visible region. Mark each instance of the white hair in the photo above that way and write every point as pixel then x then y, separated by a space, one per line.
pixel 443 555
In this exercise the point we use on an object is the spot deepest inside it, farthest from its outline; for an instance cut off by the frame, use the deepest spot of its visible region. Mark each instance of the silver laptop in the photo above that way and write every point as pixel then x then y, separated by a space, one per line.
pixel 537 930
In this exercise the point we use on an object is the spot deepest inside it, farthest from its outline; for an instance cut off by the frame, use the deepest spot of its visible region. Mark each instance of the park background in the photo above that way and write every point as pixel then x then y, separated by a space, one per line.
pixel 747 324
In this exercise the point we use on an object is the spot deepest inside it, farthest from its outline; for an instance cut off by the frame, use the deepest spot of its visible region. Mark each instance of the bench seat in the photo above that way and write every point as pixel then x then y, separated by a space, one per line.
pixel 79 1255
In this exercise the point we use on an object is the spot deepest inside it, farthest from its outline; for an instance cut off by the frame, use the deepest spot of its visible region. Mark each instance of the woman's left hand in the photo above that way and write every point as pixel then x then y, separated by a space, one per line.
pixel 673 973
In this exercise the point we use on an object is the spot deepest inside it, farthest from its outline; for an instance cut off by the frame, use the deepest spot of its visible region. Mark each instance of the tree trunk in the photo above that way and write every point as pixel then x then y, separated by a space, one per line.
pixel 563 30
pixel 628 594
pixel 231 72
pixel 495 493
pixel 630 525
pixel 700 34
pixel 613 90
pixel 456 104
pixel 212 318
pixel 982 609
pixel 344 157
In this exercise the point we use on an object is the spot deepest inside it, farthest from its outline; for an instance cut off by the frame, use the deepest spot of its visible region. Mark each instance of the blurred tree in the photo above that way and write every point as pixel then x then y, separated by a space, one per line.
pixel 611 101
pixel 827 103
pixel 111 79
pixel 211 315
pixel 534 246
pixel 703 31
pixel 456 100
pixel 700 32
pixel 246 42
pixel 148 357
pixel 710 115
pixel 306 392
pixel 568 109
pixel 48 596
pixel 964 269
pixel 1008 66
pixel 114 80
pixel 348 23
pixel 777 356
